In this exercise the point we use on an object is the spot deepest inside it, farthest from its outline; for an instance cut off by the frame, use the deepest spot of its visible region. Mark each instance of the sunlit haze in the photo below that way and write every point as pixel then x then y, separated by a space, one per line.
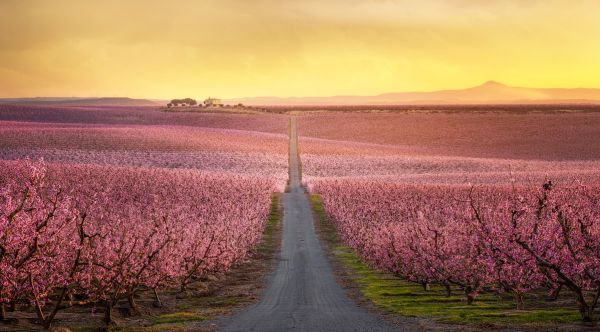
pixel 243 48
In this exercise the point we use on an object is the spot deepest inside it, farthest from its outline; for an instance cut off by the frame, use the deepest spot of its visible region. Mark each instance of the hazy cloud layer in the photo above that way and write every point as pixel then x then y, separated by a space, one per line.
pixel 245 48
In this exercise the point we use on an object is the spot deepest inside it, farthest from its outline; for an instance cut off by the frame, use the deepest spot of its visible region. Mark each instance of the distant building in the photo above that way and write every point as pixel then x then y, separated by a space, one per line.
pixel 213 102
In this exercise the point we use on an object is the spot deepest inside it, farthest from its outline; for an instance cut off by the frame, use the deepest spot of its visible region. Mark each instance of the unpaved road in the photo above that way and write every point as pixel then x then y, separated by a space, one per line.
pixel 302 294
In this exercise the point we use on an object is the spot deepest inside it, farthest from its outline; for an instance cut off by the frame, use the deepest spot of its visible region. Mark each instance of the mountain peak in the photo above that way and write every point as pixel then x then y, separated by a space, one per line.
pixel 492 84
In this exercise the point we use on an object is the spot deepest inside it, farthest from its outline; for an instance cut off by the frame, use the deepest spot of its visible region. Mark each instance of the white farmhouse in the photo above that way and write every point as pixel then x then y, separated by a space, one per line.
pixel 212 102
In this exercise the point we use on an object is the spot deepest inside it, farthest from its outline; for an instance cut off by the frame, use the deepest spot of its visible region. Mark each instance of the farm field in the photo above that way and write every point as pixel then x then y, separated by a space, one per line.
pixel 523 135
pixel 291 166
pixel 483 205
pixel 97 211
pixel 477 221
pixel 207 149
pixel 143 115
pixel 447 148
pixel 230 143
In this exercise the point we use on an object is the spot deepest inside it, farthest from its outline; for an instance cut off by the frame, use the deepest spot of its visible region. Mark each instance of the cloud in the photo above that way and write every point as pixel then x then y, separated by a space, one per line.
pixel 268 47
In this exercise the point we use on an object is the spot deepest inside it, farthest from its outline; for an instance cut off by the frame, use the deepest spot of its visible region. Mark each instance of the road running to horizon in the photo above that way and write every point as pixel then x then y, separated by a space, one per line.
pixel 302 294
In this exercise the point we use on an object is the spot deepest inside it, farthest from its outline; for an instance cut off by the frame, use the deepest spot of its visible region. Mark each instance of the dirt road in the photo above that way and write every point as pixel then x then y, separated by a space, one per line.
pixel 302 294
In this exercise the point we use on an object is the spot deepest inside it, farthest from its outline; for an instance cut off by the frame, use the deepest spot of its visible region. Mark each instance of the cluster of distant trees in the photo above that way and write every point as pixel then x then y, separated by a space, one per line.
pixel 182 102
pixel 193 102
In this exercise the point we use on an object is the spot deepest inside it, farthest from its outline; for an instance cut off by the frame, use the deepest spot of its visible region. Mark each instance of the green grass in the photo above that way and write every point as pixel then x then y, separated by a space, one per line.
pixel 178 326
pixel 176 321
pixel 84 329
pixel 271 226
pixel 211 301
pixel 410 299
pixel 179 317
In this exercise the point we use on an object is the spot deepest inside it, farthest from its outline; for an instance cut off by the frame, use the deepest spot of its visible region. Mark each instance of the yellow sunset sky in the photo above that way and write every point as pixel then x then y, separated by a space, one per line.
pixel 240 48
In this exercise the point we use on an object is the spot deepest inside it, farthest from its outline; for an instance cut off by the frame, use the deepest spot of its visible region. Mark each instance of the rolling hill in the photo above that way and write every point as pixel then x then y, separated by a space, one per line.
pixel 75 101
pixel 490 92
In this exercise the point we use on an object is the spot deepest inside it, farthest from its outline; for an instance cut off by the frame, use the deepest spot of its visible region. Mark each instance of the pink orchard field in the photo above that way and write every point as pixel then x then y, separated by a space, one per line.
pixel 512 238
pixel 509 223
pixel 104 205
pixel 100 204
pixel 206 149
pixel 108 232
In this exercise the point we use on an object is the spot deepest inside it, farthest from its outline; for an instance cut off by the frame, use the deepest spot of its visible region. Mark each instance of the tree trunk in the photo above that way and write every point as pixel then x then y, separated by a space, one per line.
pixel 469 295
pixel 470 299
pixel 2 311
pixel 425 286
pixel 554 294
pixel 48 320
pixel 157 302
pixel 519 300
pixel 46 324
pixel 108 320
pixel 595 301
pixel 133 308
pixel 448 290
pixel 584 309
pixel 40 315
pixel 586 313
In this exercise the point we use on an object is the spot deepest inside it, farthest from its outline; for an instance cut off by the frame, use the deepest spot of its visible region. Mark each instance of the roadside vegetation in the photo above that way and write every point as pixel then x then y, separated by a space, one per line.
pixel 397 296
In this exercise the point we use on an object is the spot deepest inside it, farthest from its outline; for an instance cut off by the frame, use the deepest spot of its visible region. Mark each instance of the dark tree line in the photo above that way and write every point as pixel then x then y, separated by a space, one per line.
pixel 182 102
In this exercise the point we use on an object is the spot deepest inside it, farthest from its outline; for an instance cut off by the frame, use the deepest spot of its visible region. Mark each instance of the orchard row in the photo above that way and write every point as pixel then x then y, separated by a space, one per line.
pixel 501 238
pixel 101 234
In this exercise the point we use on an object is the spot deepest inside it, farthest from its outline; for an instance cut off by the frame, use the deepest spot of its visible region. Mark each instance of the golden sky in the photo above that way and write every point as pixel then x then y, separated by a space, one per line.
pixel 238 48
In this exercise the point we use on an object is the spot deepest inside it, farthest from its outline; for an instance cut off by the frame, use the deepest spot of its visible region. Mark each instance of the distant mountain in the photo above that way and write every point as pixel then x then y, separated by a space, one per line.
pixel 75 101
pixel 490 92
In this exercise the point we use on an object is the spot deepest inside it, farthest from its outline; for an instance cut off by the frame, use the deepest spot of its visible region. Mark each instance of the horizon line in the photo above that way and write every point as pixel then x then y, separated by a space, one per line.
pixel 488 82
